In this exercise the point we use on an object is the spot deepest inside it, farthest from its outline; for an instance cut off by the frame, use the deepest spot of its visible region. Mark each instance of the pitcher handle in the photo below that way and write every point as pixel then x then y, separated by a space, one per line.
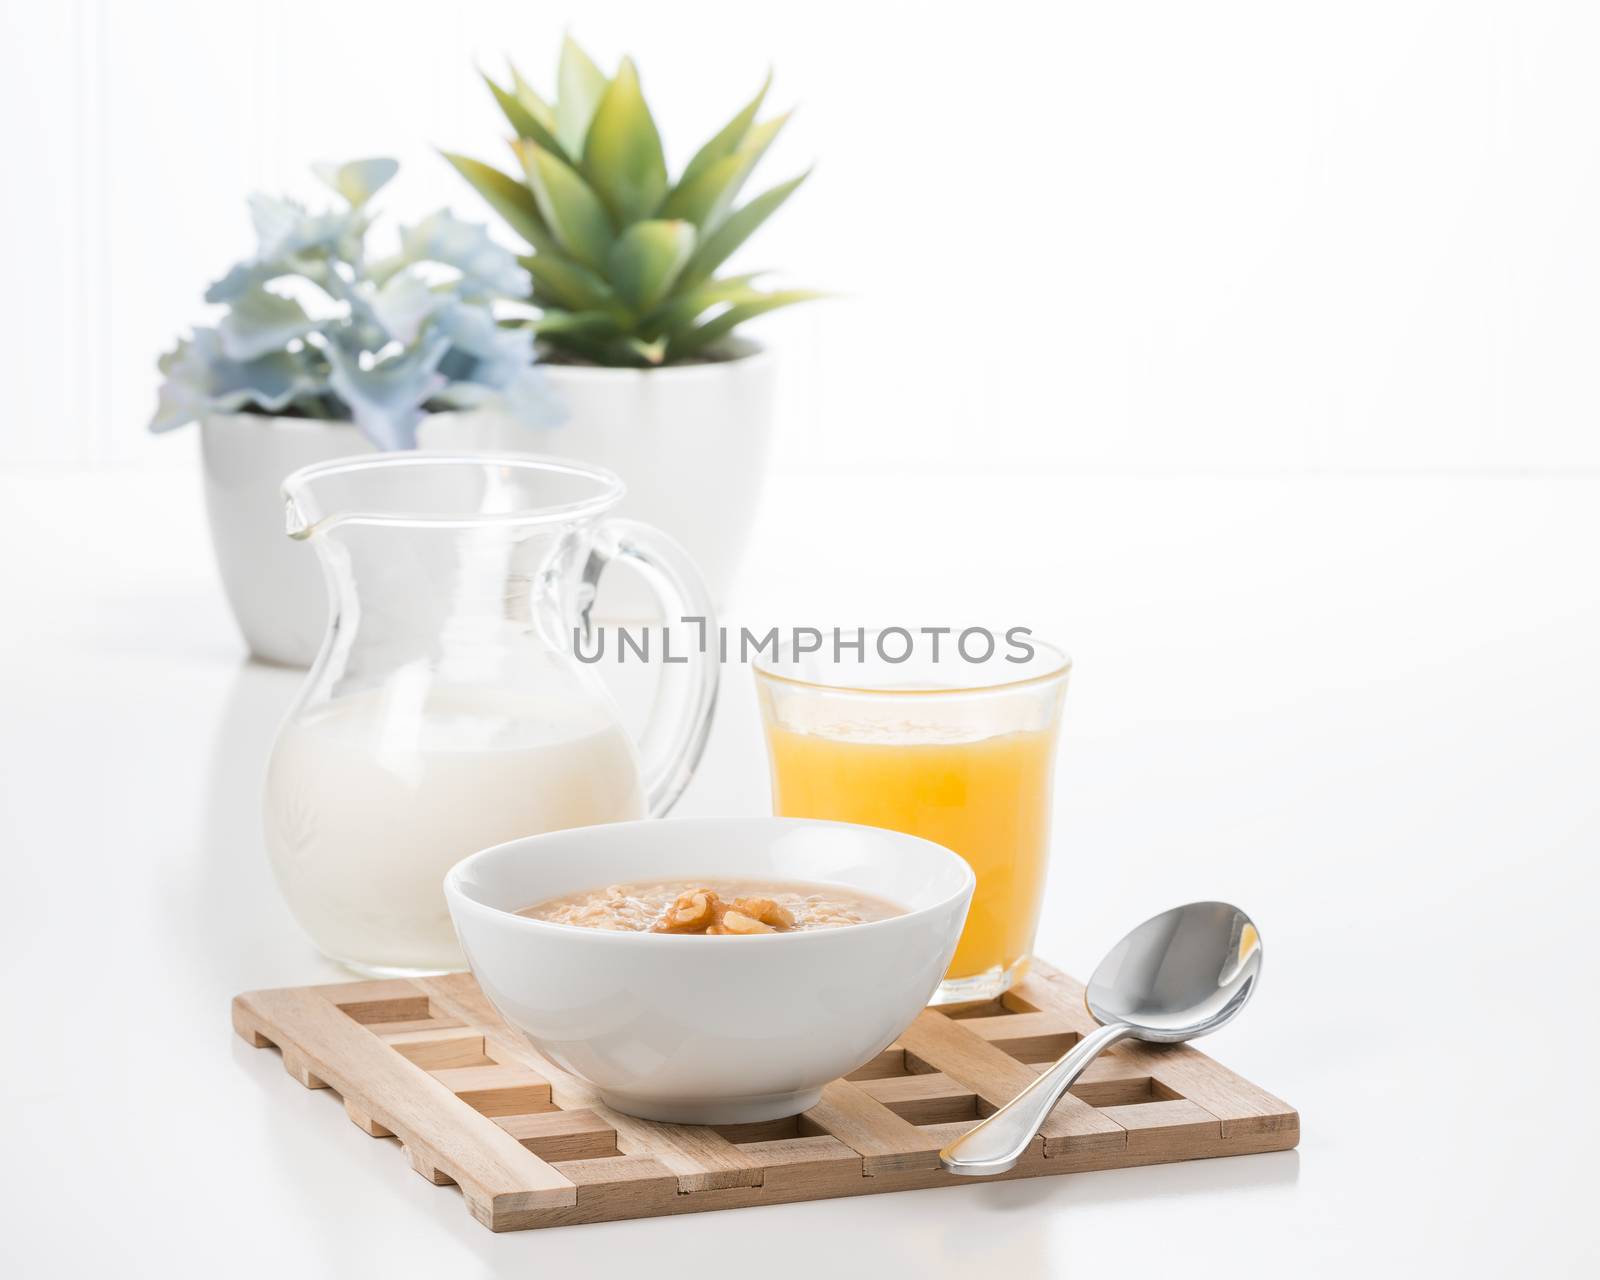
pixel 674 738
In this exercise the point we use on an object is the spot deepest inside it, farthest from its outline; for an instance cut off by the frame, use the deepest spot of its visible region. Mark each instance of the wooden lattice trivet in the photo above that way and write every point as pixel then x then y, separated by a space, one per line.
pixel 430 1063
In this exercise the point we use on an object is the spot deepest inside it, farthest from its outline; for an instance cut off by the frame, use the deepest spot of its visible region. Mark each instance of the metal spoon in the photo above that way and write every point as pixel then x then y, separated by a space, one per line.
pixel 1179 975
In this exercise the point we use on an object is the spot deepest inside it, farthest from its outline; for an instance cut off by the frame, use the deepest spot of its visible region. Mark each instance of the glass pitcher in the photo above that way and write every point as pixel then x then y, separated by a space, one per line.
pixel 447 711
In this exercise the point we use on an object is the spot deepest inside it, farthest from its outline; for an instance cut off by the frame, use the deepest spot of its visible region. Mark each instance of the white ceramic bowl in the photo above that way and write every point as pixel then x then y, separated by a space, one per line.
pixel 710 1030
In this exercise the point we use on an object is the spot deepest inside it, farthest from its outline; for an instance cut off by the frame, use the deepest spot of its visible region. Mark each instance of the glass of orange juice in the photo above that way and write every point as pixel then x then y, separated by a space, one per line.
pixel 958 751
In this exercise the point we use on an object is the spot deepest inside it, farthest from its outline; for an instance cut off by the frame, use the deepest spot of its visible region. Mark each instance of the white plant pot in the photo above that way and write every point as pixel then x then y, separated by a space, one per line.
pixel 689 441
pixel 274 585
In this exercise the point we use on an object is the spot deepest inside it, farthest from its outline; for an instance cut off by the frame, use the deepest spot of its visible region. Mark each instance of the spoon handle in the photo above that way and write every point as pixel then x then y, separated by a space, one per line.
pixel 998 1143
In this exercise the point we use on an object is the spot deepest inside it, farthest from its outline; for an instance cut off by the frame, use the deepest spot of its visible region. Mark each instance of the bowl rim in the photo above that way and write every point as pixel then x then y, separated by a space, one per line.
pixel 458 897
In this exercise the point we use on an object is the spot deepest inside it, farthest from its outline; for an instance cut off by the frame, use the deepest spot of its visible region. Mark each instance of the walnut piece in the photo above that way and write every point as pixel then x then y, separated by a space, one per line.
pixel 690 912
pixel 701 911
pixel 738 922
pixel 765 910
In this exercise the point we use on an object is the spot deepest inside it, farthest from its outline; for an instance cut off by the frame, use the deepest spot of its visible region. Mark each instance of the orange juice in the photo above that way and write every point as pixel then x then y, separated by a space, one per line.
pixel 988 798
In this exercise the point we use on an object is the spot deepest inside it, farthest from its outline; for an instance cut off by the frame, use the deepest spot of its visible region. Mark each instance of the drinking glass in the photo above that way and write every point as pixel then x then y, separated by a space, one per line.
pixel 958 751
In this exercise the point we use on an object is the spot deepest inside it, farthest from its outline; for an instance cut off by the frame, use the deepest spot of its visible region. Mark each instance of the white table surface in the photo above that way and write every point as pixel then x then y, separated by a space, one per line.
pixel 1365 708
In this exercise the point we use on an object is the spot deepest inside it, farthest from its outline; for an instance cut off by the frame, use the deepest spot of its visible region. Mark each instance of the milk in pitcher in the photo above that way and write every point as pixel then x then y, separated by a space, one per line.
pixel 373 797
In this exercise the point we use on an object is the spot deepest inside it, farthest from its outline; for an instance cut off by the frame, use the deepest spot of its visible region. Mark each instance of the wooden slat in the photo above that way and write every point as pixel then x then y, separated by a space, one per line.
pixel 996 1077
pixel 497 1089
pixel 814 1167
pixel 891 1062
pixel 623 1172
pixel 497 1175
pixel 439 1047
pixel 407 1026
pixel 885 1142
pixel 929 1097
pixel 563 1135
pixel 760 1130
pixel 363 1121
pixel 1029 1036
pixel 1167 1126
pixel 702 1159
pixel 821 1148
pixel 627 1186
pixel 1240 1106
pixel 365 991
pixel 993 1007
pixel 1111 1081
pixel 384 1000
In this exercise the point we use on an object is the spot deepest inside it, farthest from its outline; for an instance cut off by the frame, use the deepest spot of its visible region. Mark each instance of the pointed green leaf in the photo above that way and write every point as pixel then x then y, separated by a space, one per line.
pixel 535 106
pixel 573 287
pixel 750 152
pixel 720 245
pixel 680 311
pixel 649 353
pixel 646 260
pixel 511 199
pixel 522 120
pixel 579 87
pixel 706 198
pixel 697 340
pixel 693 199
pixel 727 141
pixel 622 156
pixel 593 324
pixel 570 209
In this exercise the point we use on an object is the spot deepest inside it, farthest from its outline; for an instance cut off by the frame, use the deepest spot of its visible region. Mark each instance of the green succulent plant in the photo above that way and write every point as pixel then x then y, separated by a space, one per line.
pixel 624 259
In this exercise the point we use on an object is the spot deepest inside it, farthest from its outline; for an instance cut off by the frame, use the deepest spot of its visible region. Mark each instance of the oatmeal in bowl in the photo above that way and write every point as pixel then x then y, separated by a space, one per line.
pixel 729 908
pixel 713 970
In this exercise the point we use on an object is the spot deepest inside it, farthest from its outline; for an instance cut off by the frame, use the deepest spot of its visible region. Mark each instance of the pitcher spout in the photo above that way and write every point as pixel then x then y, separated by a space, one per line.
pixel 297 523
pixel 313 498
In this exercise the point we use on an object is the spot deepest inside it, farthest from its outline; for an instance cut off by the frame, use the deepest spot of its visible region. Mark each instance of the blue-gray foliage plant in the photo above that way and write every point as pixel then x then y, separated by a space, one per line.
pixel 379 342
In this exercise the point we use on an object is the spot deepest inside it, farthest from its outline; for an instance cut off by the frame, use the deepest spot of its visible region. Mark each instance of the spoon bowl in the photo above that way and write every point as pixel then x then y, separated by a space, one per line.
pixel 1179 975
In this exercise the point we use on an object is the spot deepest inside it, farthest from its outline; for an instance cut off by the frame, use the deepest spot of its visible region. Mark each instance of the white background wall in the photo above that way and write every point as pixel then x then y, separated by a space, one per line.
pixel 1159 236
